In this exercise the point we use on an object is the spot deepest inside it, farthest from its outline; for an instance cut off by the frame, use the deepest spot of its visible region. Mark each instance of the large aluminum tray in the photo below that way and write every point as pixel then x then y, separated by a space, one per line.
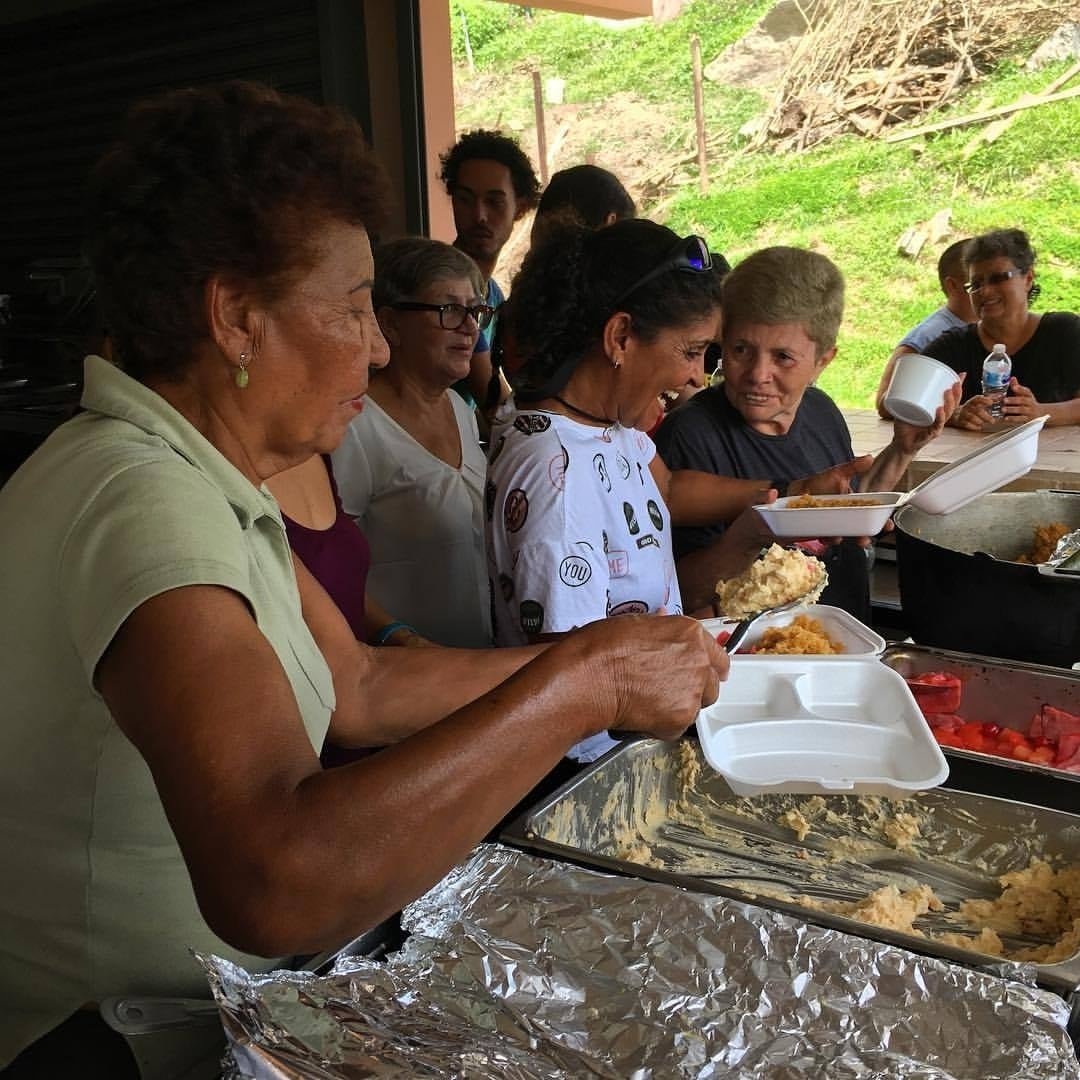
pixel 598 820
pixel 1009 693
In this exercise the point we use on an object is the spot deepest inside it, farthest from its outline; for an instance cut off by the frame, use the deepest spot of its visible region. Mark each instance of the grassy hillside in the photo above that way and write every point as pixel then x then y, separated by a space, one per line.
pixel 851 199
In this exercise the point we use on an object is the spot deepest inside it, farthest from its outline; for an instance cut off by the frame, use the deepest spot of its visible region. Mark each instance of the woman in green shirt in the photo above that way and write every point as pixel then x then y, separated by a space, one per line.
pixel 170 672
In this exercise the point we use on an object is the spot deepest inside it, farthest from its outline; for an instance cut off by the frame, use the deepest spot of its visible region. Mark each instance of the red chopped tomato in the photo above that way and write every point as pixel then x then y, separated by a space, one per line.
pixel 972 737
pixel 1011 737
pixel 722 637
pixel 990 730
pixel 948 738
pixel 1023 752
pixel 1042 755
pixel 936 691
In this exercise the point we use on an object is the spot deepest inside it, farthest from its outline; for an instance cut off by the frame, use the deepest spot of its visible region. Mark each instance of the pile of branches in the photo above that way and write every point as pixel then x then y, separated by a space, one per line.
pixel 865 64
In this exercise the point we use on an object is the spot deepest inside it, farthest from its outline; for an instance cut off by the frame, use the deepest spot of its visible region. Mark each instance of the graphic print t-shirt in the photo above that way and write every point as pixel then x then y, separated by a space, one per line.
pixel 577 530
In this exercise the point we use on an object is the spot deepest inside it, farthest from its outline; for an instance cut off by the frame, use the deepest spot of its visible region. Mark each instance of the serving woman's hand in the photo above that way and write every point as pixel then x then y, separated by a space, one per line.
pixel 654 673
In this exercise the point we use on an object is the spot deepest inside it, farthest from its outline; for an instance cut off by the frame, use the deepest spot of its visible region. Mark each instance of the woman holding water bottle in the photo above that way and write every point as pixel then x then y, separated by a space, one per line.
pixel 1035 357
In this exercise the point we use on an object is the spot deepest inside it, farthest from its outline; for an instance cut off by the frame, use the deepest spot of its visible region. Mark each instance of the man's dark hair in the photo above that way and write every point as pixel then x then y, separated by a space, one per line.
pixel 481 145
pixel 953 261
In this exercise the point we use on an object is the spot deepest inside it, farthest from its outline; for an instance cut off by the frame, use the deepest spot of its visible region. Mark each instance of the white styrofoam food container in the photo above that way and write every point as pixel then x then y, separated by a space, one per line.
pixel 856 638
pixel 850 727
pixel 866 519
pixel 996 460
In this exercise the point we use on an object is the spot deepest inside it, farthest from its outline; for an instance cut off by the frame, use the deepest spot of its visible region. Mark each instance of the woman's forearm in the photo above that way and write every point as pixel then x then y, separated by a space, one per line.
pixel 701 498
pixel 726 557
pixel 401 691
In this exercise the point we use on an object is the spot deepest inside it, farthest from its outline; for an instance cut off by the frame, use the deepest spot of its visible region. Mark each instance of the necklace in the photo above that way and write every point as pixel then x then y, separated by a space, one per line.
pixel 605 420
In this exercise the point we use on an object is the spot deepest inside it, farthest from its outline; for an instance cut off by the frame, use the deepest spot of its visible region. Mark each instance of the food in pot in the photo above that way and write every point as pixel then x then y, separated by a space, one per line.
pixel 817 502
pixel 1043 543
pixel 803 636
pixel 777 577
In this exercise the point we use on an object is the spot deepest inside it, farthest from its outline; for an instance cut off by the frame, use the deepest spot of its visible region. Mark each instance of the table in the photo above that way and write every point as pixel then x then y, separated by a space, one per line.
pixel 1057 466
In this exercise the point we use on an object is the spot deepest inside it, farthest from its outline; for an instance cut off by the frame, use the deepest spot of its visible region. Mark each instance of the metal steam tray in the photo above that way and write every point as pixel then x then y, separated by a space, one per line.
pixel 1009 693
pixel 654 810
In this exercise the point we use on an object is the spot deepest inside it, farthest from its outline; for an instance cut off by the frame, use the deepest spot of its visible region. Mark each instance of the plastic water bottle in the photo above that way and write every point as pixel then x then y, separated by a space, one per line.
pixel 997 370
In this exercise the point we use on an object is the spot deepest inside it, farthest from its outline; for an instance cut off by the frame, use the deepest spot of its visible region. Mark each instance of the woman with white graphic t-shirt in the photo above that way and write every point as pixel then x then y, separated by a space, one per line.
pixel 577 502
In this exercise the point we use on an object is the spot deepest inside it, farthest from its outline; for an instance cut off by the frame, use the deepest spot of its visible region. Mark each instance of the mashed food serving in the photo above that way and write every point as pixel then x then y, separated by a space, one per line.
pixel 778 577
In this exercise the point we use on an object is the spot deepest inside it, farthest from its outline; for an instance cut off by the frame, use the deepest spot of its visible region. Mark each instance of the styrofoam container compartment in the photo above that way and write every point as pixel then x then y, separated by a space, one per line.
pixel 917 388
pixel 792 725
pixel 994 462
pixel 856 638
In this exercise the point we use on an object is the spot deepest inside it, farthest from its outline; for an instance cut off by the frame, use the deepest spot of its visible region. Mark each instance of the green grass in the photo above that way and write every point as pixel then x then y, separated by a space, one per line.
pixel 595 59
pixel 851 199
pixel 854 198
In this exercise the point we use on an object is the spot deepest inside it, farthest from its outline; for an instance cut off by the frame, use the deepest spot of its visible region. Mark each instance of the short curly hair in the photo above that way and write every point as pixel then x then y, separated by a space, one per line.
pixel 227 180
pixel 481 145
pixel 1012 244
pixel 568 287
pixel 787 285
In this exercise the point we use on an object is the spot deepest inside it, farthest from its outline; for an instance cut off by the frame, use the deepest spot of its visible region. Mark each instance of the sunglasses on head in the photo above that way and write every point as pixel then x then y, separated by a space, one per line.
pixel 451 316
pixel 690 254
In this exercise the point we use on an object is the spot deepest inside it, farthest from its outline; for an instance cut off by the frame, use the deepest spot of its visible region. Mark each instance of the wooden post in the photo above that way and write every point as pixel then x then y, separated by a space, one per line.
pixel 541 136
pixel 699 113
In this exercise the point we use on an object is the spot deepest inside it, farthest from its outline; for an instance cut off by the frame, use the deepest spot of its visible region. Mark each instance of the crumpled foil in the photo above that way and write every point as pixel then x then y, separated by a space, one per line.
pixel 519 967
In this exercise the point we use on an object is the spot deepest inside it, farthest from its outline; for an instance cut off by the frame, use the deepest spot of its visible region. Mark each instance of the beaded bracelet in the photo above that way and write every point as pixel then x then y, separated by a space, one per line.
pixel 388 630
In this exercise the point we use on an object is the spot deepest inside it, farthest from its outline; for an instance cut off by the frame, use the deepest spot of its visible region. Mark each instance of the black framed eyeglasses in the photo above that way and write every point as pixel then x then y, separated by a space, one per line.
pixel 691 254
pixel 451 316
pixel 998 277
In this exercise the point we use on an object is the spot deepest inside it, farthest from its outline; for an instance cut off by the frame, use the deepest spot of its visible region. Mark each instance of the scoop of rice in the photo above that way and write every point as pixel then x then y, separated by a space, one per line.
pixel 777 577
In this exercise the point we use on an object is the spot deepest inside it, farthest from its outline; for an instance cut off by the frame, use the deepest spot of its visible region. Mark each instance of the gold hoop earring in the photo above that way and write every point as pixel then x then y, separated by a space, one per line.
pixel 241 377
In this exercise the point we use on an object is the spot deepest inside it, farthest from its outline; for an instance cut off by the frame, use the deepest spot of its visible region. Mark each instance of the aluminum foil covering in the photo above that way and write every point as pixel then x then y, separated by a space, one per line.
pixel 520 967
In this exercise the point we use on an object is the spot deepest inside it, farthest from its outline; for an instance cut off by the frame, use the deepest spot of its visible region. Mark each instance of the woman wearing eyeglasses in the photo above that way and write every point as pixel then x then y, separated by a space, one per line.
pixel 1045 349
pixel 410 469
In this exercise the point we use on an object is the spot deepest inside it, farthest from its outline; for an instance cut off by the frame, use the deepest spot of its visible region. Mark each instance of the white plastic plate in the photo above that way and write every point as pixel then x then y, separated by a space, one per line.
pixel 850 727
pixel 856 638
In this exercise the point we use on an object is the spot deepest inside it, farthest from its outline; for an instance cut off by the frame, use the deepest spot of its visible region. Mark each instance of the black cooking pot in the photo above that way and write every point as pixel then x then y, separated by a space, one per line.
pixel 958 589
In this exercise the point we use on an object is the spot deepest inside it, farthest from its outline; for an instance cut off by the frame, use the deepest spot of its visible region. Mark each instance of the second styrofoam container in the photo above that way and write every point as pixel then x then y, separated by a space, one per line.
pixel 917 388
pixel 793 725
pixel 992 463
pixel 865 517
pixel 841 627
